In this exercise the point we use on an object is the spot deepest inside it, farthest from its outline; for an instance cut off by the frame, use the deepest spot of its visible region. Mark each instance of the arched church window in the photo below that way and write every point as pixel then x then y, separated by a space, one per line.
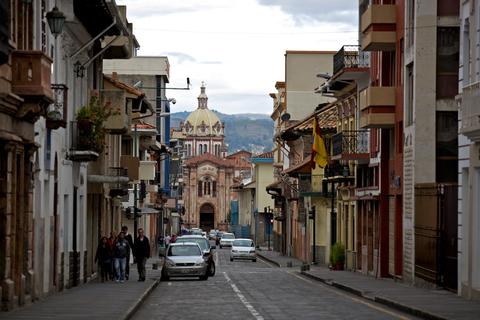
pixel 205 149
pixel 214 188
pixel 201 149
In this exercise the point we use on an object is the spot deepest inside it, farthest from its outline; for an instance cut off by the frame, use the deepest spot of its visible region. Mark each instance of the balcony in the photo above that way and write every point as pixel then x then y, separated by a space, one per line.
pixel 350 145
pixel 118 123
pixel 57 111
pixel 84 146
pixel 313 186
pixel 351 60
pixel 132 164
pixel 31 80
pixel 377 107
pixel 119 181
pixel 470 124
pixel 147 170
pixel 378 27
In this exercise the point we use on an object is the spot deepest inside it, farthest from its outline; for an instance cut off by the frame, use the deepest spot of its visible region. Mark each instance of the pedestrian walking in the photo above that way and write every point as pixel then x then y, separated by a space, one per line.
pixel 142 253
pixel 111 243
pixel 122 251
pixel 104 258
pixel 129 239
pixel 167 240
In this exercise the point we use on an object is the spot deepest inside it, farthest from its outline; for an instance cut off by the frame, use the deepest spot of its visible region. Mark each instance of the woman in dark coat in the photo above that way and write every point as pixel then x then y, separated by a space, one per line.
pixel 104 258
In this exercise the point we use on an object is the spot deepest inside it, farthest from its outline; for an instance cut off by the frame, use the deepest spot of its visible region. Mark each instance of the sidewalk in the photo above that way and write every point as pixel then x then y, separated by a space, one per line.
pixel 93 300
pixel 426 303
pixel 277 259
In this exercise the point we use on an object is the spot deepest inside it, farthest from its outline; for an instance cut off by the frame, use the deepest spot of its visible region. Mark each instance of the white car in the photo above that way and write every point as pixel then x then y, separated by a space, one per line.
pixel 243 249
pixel 226 240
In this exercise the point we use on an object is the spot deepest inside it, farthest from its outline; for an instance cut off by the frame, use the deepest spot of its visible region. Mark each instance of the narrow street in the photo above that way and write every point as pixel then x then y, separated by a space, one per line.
pixel 248 290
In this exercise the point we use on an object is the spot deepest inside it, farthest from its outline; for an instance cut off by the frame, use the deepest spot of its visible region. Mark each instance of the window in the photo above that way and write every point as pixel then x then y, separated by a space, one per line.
pixel 410 32
pixel 201 149
pixel 447 146
pixel 409 92
pixel 200 189
pixel 466 53
pixel 205 149
pixel 448 47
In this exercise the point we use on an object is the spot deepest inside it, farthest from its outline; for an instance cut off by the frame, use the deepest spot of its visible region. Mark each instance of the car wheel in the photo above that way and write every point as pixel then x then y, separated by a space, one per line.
pixel 203 278
pixel 212 269
pixel 231 259
pixel 254 260
pixel 221 247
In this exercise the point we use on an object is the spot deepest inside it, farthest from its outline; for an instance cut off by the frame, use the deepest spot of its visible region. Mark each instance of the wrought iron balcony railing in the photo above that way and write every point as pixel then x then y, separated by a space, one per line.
pixel 349 56
pixel 350 145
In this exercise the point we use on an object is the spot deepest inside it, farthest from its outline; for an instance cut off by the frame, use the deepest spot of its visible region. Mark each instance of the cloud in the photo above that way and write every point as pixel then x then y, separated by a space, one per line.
pixel 304 11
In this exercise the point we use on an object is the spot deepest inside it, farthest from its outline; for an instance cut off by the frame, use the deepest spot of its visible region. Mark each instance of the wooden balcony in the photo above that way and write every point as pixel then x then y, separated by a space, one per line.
pixel 377 107
pixel 31 72
pixel 57 112
pixel 378 27
pixel 470 113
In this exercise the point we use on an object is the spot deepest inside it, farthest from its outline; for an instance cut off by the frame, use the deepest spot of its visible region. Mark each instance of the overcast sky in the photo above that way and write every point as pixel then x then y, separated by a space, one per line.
pixel 236 46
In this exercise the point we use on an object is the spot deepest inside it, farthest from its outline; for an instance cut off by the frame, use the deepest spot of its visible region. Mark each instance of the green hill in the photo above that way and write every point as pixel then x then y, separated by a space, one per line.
pixel 248 131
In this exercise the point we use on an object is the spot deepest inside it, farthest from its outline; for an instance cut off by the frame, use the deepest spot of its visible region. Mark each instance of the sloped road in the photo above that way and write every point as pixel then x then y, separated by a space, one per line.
pixel 249 290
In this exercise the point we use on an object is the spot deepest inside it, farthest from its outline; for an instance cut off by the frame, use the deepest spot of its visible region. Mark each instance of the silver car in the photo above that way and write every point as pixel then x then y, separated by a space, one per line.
pixel 243 249
pixel 226 240
pixel 184 260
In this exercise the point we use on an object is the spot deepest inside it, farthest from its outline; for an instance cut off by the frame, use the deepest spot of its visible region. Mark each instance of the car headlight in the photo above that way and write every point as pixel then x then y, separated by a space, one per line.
pixel 169 263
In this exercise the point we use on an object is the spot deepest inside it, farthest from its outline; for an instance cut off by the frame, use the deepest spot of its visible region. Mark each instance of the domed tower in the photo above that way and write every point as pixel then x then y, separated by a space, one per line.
pixel 203 130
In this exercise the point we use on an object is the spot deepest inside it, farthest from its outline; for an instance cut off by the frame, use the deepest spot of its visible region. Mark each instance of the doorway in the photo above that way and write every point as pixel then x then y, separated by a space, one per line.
pixel 207 217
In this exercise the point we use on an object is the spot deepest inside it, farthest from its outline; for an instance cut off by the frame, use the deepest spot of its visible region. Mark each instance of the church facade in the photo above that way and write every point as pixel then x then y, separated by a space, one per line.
pixel 208 174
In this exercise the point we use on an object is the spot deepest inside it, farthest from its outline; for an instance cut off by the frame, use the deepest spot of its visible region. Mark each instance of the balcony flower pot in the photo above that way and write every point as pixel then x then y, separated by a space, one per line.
pixel 90 124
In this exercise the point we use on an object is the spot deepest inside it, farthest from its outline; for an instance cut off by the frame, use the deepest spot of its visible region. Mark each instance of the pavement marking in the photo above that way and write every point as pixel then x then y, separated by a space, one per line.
pixel 242 298
pixel 368 304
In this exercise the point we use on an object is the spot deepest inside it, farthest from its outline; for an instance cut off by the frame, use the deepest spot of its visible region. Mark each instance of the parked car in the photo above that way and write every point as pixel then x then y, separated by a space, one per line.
pixel 196 231
pixel 226 240
pixel 206 248
pixel 184 259
pixel 243 249
pixel 212 235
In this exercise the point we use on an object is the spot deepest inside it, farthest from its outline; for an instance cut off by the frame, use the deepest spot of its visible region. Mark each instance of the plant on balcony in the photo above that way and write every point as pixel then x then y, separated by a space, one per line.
pixel 90 124
pixel 337 256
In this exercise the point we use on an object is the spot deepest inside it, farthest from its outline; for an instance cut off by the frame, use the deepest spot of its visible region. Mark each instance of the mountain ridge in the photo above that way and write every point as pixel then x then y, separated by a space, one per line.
pixel 243 131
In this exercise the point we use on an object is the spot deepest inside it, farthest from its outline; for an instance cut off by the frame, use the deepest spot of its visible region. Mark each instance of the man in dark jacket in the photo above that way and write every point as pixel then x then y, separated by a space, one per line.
pixel 129 239
pixel 142 253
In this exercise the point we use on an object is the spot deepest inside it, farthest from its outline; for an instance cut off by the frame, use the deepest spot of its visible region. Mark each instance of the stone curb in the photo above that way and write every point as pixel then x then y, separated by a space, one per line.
pixel 133 309
pixel 269 260
pixel 382 300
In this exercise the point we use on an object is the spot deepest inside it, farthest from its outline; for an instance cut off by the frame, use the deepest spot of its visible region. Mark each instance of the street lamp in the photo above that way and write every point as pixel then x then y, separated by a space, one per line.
pixel 55 19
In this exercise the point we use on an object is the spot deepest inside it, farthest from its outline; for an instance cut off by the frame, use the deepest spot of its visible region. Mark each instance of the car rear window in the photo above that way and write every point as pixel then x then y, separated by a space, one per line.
pixel 242 243
pixel 203 243
pixel 228 236
pixel 184 251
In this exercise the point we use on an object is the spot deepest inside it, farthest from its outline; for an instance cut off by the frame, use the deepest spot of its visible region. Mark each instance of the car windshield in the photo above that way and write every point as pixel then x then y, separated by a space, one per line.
pixel 203 243
pixel 228 236
pixel 184 251
pixel 197 232
pixel 243 243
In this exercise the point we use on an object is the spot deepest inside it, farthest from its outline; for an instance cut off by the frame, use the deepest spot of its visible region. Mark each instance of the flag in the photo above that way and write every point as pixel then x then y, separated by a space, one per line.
pixel 319 152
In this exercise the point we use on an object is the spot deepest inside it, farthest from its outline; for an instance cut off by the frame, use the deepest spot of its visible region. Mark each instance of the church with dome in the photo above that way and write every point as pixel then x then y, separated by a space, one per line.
pixel 207 172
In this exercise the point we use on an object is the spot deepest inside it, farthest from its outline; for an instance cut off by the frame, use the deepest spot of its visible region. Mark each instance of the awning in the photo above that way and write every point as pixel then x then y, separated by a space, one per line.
pixel 304 167
pixel 147 210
